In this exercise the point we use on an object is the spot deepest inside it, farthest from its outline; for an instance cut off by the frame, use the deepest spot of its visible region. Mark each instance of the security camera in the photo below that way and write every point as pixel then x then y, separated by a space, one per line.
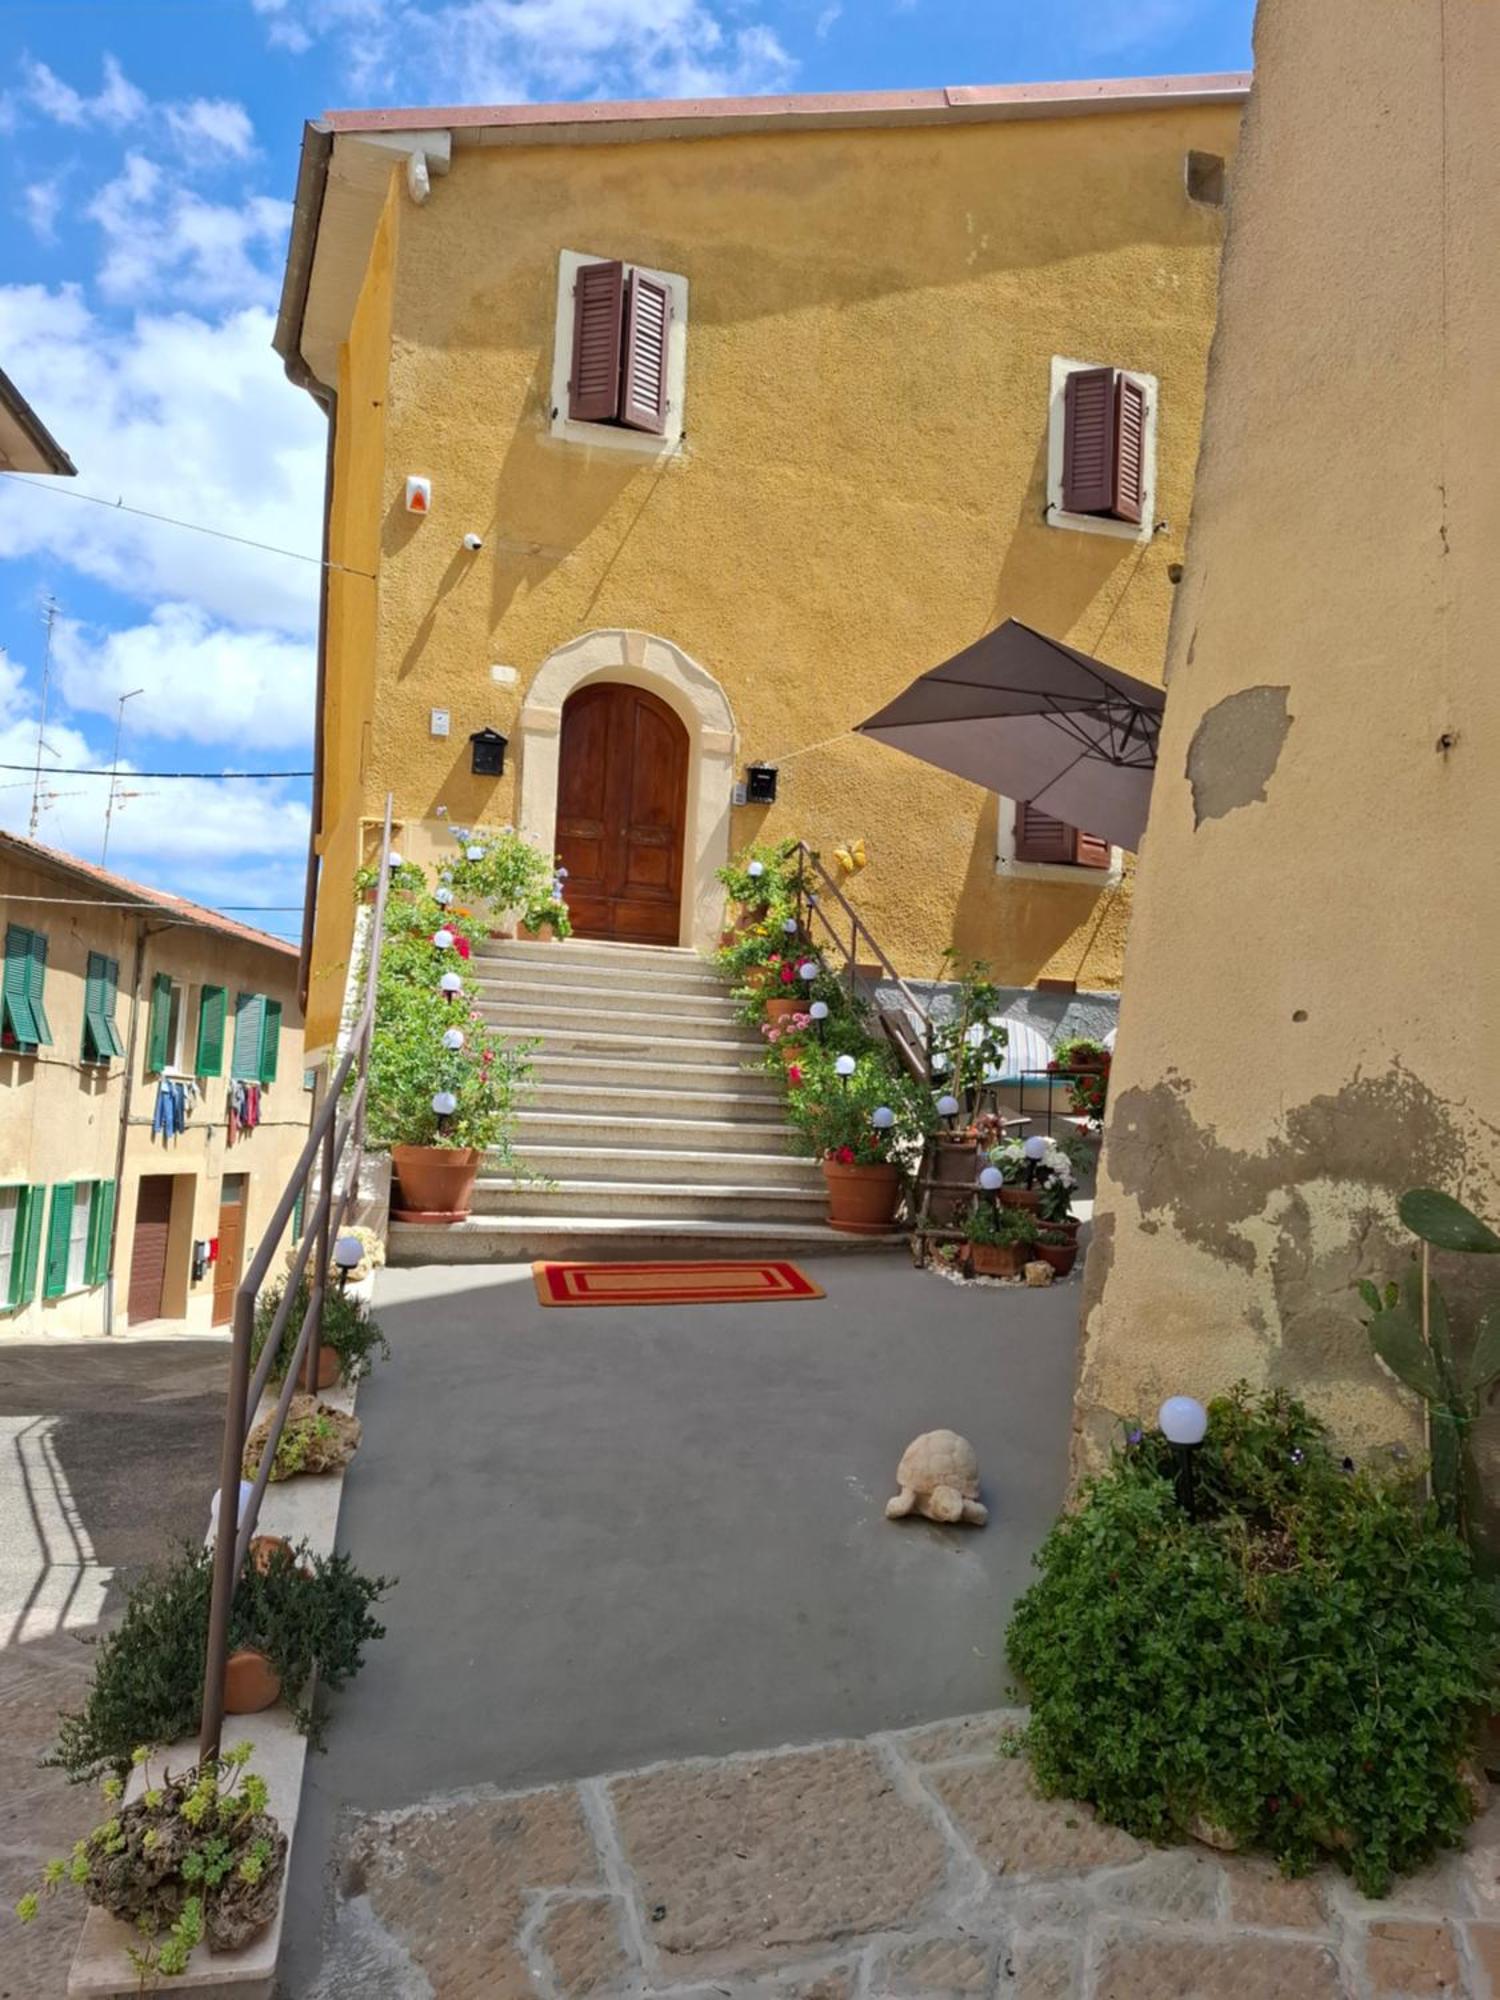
pixel 473 543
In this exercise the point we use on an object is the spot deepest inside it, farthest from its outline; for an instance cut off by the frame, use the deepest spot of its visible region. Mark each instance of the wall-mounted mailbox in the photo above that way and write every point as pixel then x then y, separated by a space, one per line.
pixel 488 759
pixel 760 784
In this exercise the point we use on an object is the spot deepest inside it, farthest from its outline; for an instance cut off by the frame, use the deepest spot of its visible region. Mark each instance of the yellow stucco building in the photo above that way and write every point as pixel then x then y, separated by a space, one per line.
pixel 750 412
pixel 1312 997
pixel 152 1099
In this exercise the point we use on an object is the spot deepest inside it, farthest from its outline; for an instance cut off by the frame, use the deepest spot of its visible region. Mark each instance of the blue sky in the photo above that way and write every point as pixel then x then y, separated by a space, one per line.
pixel 148 151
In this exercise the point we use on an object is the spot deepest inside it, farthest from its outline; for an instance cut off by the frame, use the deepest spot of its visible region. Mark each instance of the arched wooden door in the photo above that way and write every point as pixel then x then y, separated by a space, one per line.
pixel 621 810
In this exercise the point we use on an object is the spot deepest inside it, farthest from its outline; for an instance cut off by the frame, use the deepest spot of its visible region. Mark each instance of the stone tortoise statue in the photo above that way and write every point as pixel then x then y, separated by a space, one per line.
pixel 939 1477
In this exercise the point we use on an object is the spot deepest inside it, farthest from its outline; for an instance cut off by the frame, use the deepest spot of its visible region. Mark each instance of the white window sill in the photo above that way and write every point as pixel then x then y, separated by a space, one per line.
pixel 1060 871
pixel 613 437
pixel 1099 524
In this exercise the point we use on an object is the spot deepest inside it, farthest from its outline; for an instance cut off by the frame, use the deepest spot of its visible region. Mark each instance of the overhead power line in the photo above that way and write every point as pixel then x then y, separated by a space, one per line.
pixel 104 771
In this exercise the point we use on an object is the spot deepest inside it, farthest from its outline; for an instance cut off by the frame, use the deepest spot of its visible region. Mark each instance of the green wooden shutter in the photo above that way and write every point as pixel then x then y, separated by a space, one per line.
pixel 248 1012
pixel 36 981
pixel 210 1058
pixel 270 1038
pixel 297 1208
pixel 59 1227
pixel 100 1038
pixel 23 1271
pixel 15 992
pixel 89 1044
pixel 161 1021
pixel 101 1222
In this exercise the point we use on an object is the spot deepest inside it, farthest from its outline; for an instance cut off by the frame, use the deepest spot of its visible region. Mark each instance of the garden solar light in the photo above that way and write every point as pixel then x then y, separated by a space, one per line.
pixel 991 1179
pixel 1035 1148
pixel 443 939
pixel 789 925
pixel 947 1107
pixel 844 1066
pixel 882 1118
pixel 1184 1424
pixel 818 1011
pixel 451 983
pixel 393 859
pixel 347 1253
pixel 756 870
pixel 808 970
pixel 444 1103
pixel 453 1038
pixel 443 896
pixel 475 853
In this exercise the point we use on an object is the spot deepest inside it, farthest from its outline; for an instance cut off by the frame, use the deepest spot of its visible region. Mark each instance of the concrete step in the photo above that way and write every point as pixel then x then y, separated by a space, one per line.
pixel 603 1047
pixel 584 958
pixel 567 1127
pixel 605 996
pixel 653 1092
pixel 673 1200
pixel 556 1020
pixel 509 1239
pixel 639 1166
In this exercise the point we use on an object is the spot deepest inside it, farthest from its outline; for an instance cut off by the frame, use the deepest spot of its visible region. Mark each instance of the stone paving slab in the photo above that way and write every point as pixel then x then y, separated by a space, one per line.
pixel 915 1863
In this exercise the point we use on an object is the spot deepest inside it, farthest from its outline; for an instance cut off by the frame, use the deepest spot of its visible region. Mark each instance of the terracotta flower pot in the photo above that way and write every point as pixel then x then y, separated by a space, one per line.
pixel 251 1683
pixel 1020 1197
pixel 999 1260
pixel 862 1200
pixel 791 1052
pixel 435 1183
pixel 1061 1256
pixel 329 1367
pixel 782 1010
pixel 264 1547
pixel 543 934
pixel 502 930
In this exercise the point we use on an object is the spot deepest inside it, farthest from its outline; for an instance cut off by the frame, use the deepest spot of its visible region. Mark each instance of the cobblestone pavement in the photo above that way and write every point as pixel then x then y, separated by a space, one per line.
pixel 915 1863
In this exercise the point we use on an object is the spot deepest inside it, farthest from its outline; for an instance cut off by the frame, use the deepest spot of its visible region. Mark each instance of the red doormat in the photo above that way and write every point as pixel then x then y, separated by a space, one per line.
pixel 669 1284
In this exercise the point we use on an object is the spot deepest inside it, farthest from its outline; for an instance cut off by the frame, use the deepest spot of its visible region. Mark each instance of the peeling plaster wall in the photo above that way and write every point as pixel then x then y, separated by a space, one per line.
pixel 1310 1021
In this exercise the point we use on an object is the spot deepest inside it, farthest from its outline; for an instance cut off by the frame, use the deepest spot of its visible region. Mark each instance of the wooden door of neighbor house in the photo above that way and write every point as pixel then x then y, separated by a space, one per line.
pixel 148 1248
pixel 231 1246
pixel 621 813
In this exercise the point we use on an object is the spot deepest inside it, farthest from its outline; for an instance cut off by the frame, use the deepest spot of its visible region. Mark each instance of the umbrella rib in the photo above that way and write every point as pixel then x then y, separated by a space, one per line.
pixel 1056 779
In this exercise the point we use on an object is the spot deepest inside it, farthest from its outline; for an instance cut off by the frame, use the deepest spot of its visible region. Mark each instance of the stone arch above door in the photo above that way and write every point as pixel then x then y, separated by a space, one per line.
pixel 641 660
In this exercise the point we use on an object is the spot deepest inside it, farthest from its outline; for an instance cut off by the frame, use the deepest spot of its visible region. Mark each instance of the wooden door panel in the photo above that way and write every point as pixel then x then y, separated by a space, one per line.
pixel 148 1248
pixel 622 809
pixel 231 1247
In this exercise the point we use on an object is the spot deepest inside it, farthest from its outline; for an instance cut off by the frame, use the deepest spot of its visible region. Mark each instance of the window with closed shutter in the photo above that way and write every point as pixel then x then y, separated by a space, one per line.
pixel 209 1060
pixel 159 1026
pixel 270 1039
pixel 23 1016
pixel 598 325
pixel 1105 443
pixel 29 1223
pixel 101 1039
pixel 618 362
pixel 1041 837
pixel 59 1235
pixel 249 1019
pixel 101 1229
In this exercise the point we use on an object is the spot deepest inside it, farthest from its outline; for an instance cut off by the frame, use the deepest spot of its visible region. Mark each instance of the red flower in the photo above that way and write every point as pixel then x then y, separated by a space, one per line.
pixel 787 975
pixel 845 1156
pixel 461 946
pixel 793 1073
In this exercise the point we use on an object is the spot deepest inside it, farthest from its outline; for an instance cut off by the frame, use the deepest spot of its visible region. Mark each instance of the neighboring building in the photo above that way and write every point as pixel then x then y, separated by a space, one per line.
pixel 26 444
pixel 759 408
pixel 117 1004
pixel 1312 999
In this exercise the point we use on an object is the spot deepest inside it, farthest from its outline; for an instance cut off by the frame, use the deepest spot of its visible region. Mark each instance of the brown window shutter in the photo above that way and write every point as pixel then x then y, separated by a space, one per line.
pixel 1088 480
pixel 1130 448
pixel 1040 837
pixel 648 315
pixel 1089 851
pixel 598 316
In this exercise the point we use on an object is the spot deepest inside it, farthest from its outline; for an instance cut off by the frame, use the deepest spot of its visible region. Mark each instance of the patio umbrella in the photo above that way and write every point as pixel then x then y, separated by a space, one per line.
pixel 1024 715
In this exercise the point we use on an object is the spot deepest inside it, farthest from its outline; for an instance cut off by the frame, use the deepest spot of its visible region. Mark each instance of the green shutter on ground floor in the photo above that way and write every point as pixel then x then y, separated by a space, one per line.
pixel 28 1248
pixel 210 1057
pixel 59 1228
pixel 101 1223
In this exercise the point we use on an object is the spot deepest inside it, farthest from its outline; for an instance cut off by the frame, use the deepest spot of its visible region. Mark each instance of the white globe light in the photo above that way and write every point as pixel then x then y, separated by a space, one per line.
pixel 990 1179
pixel 443 896
pixel 882 1118
pixel 443 939
pixel 453 1038
pixel 348 1252
pixel 1035 1147
pixel 756 870
pixel 444 1103
pixel 939 1064
pixel 844 1066
pixel 808 969
pixel 1183 1420
pixel 947 1107
pixel 819 1010
pixel 451 982
pixel 446 876
pixel 475 853
pixel 393 859
pixel 789 925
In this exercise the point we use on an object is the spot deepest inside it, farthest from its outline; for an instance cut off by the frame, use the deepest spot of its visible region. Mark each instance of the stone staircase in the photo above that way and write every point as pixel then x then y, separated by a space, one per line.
pixel 650 1136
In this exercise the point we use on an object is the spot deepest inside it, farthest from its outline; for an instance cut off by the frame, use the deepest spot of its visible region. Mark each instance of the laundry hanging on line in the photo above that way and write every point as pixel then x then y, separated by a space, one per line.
pixel 175 1098
pixel 244 1108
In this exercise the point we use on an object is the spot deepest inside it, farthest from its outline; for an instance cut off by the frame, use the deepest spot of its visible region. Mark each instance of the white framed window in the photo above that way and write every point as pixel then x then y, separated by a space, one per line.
pixel 613 355
pixel 177 1013
pixel 10 1242
pixel 1057 432
pixel 78 1235
pixel 1013 851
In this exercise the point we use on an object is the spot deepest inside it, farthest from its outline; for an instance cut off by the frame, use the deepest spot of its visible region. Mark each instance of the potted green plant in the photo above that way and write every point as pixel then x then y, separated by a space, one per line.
pixel 759 881
pixel 350 1336
pixel 547 918
pixel 300 1611
pixel 195 1858
pixel 315 1439
pixel 498 873
pixel 1038 1174
pixel 1086 1064
pixel 999 1239
pixel 1057 1247
pixel 861 1118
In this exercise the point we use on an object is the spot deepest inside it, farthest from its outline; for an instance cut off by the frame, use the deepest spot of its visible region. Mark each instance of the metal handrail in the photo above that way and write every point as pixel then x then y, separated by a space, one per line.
pixel 335 1143
pixel 810 906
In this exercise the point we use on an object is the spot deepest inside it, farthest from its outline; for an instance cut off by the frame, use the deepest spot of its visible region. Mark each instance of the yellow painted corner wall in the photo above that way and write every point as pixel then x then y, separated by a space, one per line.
pixel 354 543
pixel 861 487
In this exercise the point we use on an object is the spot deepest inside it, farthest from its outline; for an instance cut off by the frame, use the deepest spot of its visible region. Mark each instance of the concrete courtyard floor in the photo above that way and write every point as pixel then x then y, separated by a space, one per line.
pixel 110 1453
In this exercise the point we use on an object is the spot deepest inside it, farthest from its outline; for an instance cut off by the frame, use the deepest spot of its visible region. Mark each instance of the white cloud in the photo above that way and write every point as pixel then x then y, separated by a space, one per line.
pixel 201 682
pixel 161 238
pixel 826 21
pixel 118 103
pixel 478 51
pixel 42 201
pixel 221 840
pixel 202 127
pixel 182 416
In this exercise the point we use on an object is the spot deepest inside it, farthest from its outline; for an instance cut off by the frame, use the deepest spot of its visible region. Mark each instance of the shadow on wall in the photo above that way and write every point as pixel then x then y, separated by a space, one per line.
pixel 1020 924
pixel 1051 576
